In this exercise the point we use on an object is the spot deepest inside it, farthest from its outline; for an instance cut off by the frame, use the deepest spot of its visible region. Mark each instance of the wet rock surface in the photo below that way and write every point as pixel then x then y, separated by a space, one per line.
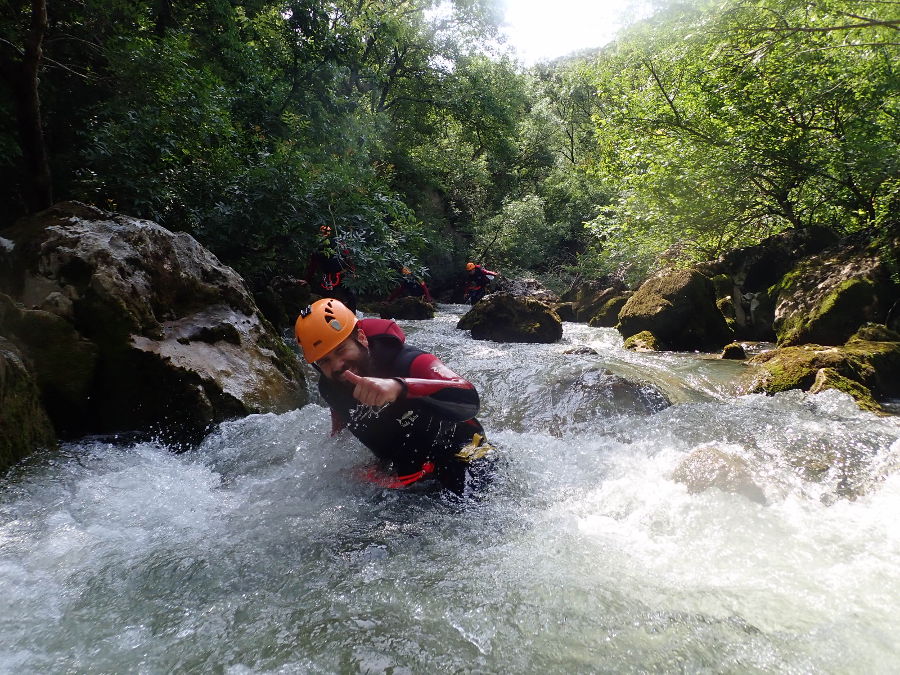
pixel 147 329
pixel 679 308
pixel 24 423
pixel 509 318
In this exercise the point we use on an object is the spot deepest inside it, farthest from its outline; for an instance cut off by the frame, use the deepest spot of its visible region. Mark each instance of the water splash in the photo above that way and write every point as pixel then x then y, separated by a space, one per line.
pixel 258 552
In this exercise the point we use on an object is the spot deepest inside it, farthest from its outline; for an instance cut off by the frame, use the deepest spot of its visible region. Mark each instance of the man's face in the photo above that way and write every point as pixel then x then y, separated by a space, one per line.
pixel 352 354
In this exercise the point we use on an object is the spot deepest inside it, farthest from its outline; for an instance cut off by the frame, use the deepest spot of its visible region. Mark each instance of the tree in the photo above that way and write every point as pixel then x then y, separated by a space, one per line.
pixel 19 67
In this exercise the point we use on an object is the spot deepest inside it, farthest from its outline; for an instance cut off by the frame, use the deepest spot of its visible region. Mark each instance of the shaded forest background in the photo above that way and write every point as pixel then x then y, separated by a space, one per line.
pixel 406 127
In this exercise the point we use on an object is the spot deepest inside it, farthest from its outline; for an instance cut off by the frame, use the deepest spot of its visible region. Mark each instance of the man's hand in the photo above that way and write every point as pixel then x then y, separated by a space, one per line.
pixel 373 390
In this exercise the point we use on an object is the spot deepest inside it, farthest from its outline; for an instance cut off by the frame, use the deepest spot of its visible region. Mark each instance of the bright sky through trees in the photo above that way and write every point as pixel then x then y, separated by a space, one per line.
pixel 546 29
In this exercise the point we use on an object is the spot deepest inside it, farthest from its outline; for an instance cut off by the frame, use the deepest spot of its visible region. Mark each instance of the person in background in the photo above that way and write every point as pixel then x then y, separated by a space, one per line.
pixel 415 414
pixel 328 266
pixel 478 280
pixel 411 286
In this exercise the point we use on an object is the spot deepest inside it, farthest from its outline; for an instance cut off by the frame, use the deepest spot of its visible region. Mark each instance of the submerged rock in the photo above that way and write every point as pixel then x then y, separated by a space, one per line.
pixel 829 378
pixel 679 308
pixel 149 330
pixel 710 467
pixel 509 318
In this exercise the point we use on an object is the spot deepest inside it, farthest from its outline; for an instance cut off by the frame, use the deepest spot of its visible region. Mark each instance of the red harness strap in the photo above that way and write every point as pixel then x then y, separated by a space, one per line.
pixel 374 475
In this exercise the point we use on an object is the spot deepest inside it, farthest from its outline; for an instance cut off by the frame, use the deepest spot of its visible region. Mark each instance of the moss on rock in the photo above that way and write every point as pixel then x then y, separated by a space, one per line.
pixel 829 378
pixel 24 424
pixel 645 341
pixel 512 318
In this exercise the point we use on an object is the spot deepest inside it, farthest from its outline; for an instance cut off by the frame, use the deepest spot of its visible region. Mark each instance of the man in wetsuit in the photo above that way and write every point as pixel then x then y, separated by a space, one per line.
pixel 414 413
pixel 410 286
pixel 478 280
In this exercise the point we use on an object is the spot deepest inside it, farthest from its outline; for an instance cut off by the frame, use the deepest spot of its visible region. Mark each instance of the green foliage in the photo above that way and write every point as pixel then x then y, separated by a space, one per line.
pixel 720 125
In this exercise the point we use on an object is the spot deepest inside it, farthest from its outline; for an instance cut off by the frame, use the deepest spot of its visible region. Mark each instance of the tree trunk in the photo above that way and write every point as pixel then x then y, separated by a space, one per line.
pixel 23 80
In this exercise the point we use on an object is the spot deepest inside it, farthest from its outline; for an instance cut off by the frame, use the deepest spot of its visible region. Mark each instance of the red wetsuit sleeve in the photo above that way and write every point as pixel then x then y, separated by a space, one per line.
pixel 431 382
pixel 428 297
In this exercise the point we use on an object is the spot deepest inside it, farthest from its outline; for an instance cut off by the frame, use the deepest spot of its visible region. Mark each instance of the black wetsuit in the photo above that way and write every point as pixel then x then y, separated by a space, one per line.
pixel 428 425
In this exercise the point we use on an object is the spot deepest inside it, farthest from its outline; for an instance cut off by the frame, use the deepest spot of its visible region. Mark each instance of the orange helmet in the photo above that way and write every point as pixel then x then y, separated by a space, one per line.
pixel 405 270
pixel 323 326
pixel 470 266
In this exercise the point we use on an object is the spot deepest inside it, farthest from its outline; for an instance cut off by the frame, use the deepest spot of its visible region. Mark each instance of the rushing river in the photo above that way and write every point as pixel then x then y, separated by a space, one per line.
pixel 259 551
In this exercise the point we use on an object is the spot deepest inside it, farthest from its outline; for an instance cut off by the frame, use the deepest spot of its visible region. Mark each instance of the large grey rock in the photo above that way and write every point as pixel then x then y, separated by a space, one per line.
pixel 511 318
pixel 169 338
pixel 679 308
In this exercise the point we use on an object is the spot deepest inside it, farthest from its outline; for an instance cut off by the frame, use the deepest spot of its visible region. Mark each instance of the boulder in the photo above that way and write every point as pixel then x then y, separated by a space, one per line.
pixel 746 275
pixel 566 311
pixel 589 297
pixel 24 424
pixel 679 307
pixel 735 351
pixel 406 308
pixel 511 318
pixel 531 288
pixel 875 365
pixel 167 338
pixel 645 341
pixel 827 297
pixel 608 314
pixel 281 299
pixel 829 378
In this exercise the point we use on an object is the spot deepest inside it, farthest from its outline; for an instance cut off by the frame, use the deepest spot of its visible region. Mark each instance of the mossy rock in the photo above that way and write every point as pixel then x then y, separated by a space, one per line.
pixel 875 332
pixel 829 378
pixel 406 308
pixel 678 307
pixel 503 317
pixel 566 311
pixel 589 297
pixel 723 286
pixel 875 365
pixel 827 297
pixel 726 306
pixel 24 424
pixel 608 314
pixel 735 351
pixel 645 341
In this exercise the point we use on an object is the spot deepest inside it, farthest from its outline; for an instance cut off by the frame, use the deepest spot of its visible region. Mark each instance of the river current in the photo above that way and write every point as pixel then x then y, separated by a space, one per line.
pixel 259 552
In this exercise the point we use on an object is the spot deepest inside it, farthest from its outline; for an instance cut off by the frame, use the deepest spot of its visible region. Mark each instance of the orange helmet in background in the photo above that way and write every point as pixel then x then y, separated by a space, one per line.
pixel 470 266
pixel 405 270
pixel 323 326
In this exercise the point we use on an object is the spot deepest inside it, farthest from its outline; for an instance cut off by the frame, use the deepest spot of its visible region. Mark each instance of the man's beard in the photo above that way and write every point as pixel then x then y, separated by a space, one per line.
pixel 360 365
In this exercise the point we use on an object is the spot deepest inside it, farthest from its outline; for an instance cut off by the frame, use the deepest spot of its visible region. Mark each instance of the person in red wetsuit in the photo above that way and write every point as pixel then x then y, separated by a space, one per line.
pixel 478 280
pixel 410 286
pixel 414 413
